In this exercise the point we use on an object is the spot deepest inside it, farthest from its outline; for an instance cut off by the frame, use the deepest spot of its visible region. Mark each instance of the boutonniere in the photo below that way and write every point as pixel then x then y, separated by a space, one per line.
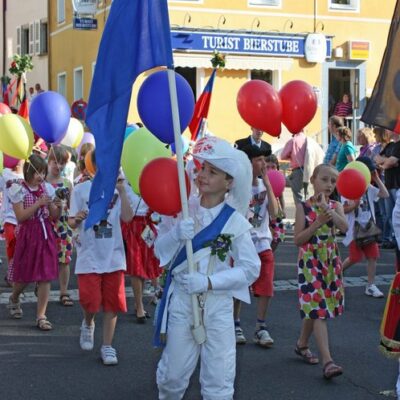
pixel 220 245
pixel 395 291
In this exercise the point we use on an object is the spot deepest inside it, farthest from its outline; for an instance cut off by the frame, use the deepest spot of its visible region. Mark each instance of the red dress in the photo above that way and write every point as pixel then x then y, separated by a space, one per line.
pixel 140 258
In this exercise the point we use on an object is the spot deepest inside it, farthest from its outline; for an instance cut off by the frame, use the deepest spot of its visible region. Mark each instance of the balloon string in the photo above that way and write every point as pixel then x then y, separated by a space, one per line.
pixel 55 157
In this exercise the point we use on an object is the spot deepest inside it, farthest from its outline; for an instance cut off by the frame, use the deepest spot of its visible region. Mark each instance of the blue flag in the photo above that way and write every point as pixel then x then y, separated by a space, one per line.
pixel 136 38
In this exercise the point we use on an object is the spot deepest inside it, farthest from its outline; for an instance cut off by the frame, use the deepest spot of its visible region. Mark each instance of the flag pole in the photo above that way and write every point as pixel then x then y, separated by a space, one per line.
pixel 198 328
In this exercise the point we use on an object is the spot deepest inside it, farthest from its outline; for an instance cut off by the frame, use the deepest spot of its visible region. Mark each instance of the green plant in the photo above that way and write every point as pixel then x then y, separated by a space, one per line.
pixel 218 60
pixel 21 64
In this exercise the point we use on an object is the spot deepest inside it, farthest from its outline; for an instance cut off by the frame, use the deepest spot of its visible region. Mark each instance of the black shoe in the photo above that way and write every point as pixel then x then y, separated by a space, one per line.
pixel 388 245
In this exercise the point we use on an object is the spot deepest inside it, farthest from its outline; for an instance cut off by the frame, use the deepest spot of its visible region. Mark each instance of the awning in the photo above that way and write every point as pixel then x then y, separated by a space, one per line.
pixel 245 62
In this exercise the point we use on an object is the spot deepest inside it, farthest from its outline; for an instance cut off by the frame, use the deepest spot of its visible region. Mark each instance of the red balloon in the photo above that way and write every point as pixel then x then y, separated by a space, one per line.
pixel 4 109
pixel 299 105
pixel 159 187
pixel 351 184
pixel 259 105
pixel 277 181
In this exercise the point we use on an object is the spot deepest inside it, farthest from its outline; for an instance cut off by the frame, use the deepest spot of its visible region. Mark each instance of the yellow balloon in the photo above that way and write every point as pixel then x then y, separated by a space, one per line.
pixel 1 162
pixel 16 136
pixel 360 167
pixel 74 133
pixel 138 150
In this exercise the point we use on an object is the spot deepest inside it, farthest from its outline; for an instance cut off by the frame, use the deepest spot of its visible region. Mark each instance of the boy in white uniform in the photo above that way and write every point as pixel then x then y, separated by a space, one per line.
pixel 100 265
pixel 219 232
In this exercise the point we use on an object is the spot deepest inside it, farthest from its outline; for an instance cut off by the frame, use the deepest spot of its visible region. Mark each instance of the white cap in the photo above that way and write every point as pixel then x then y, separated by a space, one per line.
pixel 224 156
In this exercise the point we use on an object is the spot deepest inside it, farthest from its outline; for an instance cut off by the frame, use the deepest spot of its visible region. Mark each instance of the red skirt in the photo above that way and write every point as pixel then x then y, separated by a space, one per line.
pixel 140 259
pixel 390 326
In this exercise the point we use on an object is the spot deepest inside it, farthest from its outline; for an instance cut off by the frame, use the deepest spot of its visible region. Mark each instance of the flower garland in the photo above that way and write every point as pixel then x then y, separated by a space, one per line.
pixel 218 60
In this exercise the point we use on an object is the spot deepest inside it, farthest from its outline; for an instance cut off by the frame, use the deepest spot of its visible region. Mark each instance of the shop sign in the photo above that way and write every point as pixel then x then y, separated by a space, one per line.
pixel 84 7
pixel 315 48
pixel 358 50
pixel 274 45
pixel 85 24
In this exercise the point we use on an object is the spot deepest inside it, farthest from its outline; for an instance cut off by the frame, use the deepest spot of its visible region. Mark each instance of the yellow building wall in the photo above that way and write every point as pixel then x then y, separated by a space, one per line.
pixel 70 49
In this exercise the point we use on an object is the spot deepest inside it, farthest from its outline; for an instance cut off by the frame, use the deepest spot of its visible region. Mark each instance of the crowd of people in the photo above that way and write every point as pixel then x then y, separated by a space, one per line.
pixel 235 223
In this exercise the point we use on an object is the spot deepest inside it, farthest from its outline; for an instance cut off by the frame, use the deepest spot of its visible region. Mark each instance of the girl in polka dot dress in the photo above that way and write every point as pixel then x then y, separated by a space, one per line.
pixel 319 267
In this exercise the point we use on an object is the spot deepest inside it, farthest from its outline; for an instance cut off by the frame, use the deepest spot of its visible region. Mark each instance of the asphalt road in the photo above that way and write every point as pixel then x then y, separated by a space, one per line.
pixel 38 365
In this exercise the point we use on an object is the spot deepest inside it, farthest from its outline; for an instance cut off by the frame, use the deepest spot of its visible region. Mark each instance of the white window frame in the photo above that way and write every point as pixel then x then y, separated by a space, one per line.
pixel 60 11
pixel 78 69
pixel 31 46
pixel 37 37
pixel 276 78
pixel 59 76
pixel 354 6
pixel 268 3
pixel 18 47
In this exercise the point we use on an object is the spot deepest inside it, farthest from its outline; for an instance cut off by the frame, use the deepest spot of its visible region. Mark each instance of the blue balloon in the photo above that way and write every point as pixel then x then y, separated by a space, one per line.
pixel 49 116
pixel 185 145
pixel 154 105
pixel 130 129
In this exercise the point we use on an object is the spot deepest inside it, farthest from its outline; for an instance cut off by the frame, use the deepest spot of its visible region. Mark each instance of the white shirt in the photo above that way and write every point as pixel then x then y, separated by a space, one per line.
pixel 364 212
pixel 258 217
pixel 6 180
pixel 102 251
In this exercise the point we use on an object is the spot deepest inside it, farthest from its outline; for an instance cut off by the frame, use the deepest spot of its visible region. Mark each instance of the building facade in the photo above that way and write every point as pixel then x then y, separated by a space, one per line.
pixel 261 39
pixel 25 31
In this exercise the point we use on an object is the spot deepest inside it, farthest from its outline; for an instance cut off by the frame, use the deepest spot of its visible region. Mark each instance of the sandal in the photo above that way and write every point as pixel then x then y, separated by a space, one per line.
pixel 14 309
pixel 306 355
pixel 331 370
pixel 43 324
pixel 66 301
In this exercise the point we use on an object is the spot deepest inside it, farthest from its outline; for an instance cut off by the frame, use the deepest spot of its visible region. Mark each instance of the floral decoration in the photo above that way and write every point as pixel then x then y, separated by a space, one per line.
pixel 220 245
pixel 21 64
pixel 218 60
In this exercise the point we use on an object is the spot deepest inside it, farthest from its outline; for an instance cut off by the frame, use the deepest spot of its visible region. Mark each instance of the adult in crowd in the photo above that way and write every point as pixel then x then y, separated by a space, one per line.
pixel 332 151
pixel 347 152
pixel 382 138
pixel 366 139
pixel 254 139
pixel 388 160
pixel 344 108
pixel 295 151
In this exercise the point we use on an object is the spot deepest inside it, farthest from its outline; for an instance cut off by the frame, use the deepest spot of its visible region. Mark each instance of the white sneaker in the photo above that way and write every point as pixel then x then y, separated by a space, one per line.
pixel 240 338
pixel 372 290
pixel 109 355
pixel 263 338
pixel 86 339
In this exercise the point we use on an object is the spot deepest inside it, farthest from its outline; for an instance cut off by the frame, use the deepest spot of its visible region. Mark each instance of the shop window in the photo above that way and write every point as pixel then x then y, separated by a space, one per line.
pixel 344 5
pixel 62 84
pixel 262 75
pixel 78 83
pixel 190 75
pixel 271 3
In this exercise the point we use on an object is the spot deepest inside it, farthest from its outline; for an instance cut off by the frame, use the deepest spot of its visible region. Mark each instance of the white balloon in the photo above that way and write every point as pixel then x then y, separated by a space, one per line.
pixel 74 133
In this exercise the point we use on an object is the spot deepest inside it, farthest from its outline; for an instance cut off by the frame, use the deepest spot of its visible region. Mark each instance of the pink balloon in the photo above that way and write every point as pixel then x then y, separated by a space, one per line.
pixel 87 138
pixel 278 181
pixel 9 162
pixel 4 109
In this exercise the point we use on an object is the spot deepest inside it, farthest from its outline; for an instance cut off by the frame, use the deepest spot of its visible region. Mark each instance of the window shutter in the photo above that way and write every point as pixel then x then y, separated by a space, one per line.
pixel 31 39
pixel 37 37
pixel 18 49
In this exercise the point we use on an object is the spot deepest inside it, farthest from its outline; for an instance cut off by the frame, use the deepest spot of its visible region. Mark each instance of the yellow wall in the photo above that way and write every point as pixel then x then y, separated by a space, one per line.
pixel 70 49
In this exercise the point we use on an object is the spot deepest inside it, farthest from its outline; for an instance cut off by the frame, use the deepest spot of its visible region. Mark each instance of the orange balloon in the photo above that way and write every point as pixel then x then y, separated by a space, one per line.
pixel 91 168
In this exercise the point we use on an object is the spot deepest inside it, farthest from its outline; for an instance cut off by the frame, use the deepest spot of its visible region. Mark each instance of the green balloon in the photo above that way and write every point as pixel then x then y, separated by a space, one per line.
pixel 138 150
pixel 360 167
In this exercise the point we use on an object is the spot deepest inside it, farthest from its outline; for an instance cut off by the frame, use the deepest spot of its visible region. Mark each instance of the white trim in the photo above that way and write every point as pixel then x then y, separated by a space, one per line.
pixel 273 6
pixel 259 13
pixel 80 68
pixel 200 81
pixel 352 8
pixel 235 62
pixel 64 28
pixel 59 75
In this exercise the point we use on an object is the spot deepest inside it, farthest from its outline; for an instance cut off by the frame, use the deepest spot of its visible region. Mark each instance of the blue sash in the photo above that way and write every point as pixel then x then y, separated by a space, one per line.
pixel 207 234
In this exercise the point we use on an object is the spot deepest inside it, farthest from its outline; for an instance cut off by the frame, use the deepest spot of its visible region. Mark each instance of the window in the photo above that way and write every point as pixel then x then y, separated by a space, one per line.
pixel 93 68
pixel 43 38
pixel 60 11
pixel 62 84
pixel 344 5
pixel 271 3
pixel 262 75
pixel 190 75
pixel 24 40
pixel 78 83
